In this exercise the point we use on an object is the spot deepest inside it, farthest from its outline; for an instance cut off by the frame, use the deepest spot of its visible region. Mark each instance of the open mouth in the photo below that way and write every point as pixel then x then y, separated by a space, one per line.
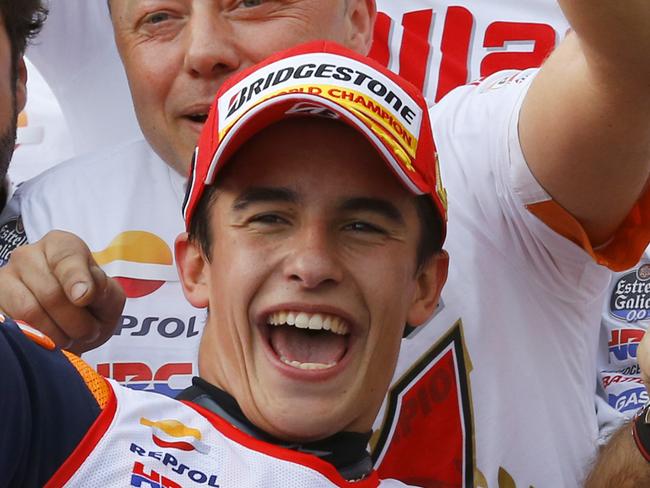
pixel 308 341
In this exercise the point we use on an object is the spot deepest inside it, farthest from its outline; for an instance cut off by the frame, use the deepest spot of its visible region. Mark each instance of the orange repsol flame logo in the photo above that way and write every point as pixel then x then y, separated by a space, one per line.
pixel 136 248
pixel 175 435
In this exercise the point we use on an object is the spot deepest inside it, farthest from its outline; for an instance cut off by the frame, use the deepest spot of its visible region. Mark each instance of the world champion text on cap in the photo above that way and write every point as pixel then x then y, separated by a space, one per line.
pixel 348 73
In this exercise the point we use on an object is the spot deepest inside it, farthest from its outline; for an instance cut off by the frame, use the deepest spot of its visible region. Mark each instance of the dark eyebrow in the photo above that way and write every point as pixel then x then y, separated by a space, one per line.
pixel 376 205
pixel 264 194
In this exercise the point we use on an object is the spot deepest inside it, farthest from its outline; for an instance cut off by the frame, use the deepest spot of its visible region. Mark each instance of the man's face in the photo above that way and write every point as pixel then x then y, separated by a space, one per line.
pixel 310 231
pixel 177 53
pixel 12 98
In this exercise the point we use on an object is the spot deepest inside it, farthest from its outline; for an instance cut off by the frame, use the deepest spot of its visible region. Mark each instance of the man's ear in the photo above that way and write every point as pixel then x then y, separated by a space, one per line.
pixel 193 270
pixel 21 85
pixel 361 15
pixel 430 280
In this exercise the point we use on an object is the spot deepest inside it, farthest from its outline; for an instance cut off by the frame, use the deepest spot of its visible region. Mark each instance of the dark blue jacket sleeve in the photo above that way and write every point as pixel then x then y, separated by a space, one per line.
pixel 45 409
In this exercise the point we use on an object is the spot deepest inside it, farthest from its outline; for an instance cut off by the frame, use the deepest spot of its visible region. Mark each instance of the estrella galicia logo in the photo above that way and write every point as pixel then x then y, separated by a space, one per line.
pixel 630 299
pixel 12 235
pixel 630 400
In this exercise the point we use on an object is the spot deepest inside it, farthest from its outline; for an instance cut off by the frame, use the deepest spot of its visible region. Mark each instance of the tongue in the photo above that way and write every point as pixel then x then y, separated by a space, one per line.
pixel 307 346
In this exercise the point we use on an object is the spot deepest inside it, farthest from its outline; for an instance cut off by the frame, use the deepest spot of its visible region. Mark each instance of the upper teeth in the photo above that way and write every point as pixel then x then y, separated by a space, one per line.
pixel 315 321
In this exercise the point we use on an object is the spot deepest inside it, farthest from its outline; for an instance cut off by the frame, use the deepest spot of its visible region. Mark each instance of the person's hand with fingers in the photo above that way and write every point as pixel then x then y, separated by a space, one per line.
pixel 56 286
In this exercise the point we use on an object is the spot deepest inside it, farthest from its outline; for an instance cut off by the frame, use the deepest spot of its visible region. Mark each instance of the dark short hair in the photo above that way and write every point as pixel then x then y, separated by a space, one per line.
pixel 429 244
pixel 22 19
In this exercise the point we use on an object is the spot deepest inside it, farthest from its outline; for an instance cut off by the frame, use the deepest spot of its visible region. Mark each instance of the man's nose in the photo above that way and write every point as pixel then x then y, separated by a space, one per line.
pixel 211 47
pixel 313 261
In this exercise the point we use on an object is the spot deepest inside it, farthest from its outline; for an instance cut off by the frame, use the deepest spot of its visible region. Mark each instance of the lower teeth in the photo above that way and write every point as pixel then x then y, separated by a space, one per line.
pixel 299 365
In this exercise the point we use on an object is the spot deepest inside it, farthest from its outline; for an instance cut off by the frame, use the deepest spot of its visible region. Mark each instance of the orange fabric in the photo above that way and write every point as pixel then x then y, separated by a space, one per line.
pixel 622 251
pixel 96 384
pixel 36 336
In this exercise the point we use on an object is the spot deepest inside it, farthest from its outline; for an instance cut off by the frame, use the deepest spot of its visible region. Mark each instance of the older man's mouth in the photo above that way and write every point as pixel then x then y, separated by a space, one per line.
pixel 308 341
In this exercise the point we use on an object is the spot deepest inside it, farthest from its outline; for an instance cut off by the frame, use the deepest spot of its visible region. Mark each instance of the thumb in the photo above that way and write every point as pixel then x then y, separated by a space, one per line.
pixel 108 303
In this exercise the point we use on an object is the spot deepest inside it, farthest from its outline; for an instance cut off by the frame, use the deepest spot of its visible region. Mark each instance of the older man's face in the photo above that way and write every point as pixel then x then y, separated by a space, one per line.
pixel 178 52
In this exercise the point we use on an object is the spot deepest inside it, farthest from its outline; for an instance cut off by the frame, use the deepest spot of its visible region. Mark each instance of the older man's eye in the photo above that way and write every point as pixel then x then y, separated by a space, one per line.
pixel 157 18
pixel 251 3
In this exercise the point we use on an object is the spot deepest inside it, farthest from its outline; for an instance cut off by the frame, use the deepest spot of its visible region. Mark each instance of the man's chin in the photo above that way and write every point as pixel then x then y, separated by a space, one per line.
pixel 304 426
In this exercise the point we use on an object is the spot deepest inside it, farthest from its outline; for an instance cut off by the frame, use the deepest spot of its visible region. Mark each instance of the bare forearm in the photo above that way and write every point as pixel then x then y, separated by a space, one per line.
pixel 585 123
pixel 614 33
pixel 619 464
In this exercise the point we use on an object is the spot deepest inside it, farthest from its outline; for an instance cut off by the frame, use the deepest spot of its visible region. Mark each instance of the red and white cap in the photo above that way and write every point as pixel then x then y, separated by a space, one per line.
pixel 322 79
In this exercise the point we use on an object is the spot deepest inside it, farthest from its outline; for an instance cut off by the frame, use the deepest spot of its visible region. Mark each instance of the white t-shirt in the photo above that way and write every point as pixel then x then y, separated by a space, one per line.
pixel 519 314
pixel 499 384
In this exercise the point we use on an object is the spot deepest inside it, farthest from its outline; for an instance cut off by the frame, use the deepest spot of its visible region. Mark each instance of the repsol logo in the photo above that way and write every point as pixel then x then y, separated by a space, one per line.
pixel 323 71
pixel 169 328
pixel 171 462
pixel 194 475
pixel 630 300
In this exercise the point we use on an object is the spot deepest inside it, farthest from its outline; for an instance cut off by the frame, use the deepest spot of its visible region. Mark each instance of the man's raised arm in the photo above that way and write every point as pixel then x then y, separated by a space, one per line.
pixel 585 123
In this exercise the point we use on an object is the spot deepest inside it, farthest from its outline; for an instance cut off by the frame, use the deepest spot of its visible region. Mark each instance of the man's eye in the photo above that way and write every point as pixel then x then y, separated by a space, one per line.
pixel 268 219
pixel 156 18
pixel 252 3
pixel 364 227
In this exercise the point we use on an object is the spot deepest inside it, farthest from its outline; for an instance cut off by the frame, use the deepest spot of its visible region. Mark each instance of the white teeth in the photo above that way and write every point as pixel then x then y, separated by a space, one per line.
pixel 327 323
pixel 316 322
pixel 307 366
pixel 303 320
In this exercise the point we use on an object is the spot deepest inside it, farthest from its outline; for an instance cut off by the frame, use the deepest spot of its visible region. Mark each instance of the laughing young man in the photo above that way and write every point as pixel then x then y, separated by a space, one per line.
pixel 314 236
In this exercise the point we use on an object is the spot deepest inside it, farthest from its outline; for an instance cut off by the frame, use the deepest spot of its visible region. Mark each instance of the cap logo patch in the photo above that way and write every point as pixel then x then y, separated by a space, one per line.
pixel 352 84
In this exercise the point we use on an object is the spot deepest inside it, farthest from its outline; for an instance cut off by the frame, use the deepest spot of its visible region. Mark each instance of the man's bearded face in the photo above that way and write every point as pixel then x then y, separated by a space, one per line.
pixel 8 141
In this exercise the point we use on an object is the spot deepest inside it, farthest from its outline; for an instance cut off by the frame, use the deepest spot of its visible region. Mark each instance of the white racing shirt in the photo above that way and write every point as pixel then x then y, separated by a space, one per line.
pixel 149 440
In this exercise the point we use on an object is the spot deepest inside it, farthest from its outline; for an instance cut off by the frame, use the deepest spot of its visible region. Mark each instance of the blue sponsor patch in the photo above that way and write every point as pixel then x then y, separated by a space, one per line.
pixel 630 400
pixel 630 300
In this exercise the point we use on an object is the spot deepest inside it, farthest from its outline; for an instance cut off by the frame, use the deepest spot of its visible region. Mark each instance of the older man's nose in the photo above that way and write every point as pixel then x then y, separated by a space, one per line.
pixel 211 49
